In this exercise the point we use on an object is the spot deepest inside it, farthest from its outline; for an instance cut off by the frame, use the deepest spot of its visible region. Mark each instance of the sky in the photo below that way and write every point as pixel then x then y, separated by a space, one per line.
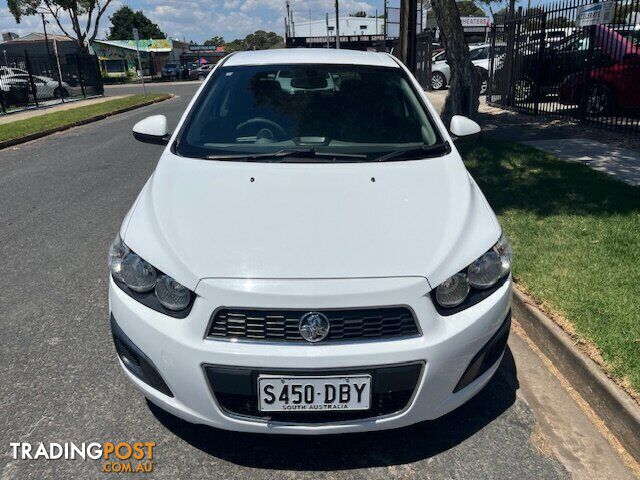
pixel 199 20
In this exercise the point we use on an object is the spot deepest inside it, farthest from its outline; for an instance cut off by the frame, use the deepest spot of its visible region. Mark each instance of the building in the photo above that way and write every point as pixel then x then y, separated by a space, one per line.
pixel 34 44
pixel 119 59
pixel 476 29
pixel 202 54
pixel 349 26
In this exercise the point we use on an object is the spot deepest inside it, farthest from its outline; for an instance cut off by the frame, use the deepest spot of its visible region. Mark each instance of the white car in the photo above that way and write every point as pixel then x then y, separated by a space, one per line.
pixel 441 72
pixel 46 87
pixel 309 263
pixel 4 71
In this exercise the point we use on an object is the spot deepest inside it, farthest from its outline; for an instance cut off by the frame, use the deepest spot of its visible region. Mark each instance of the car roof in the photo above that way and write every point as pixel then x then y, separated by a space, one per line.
pixel 310 55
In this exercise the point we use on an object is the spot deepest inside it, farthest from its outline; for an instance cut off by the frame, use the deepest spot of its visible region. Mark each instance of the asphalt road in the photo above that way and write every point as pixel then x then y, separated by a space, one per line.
pixel 62 200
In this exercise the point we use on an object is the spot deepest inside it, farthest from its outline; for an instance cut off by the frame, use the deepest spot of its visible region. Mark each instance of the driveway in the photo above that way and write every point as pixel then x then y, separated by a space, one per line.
pixel 63 198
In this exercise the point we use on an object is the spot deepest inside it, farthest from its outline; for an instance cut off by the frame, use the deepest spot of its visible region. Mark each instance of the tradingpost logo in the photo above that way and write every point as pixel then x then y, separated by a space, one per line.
pixel 120 457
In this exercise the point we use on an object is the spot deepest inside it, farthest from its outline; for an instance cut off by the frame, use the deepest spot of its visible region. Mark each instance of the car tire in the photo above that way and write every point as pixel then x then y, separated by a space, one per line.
pixel 438 82
pixel 597 100
pixel 524 90
pixel 201 77
pixel 60 92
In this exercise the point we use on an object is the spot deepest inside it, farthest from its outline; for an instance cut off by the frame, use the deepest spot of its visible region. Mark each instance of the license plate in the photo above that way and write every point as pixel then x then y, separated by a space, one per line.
pixel 313 394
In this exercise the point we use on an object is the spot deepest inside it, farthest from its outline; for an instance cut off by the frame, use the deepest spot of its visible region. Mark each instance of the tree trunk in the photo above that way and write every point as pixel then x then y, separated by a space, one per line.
pixel 464 87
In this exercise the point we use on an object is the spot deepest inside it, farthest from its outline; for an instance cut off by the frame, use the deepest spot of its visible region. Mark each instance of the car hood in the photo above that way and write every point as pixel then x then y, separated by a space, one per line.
pixel 198 219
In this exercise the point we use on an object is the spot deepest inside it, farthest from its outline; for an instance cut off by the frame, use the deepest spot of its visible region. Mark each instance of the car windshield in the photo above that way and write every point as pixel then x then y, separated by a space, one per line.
pixel 357 112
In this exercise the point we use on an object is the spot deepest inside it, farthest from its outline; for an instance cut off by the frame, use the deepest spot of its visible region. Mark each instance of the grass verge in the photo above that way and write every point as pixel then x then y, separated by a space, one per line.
pixel 576 236
pixel 63 118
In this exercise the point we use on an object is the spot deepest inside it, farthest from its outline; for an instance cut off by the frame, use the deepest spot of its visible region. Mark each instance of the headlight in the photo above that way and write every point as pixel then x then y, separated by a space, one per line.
pixel 453 290
pixel 171 294
pixel 143 282
pixel 477 281
pixel 139 275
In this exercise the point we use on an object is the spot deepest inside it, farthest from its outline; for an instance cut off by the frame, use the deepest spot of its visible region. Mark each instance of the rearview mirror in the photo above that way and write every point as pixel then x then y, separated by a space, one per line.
pixel 464 127
pixel 152 129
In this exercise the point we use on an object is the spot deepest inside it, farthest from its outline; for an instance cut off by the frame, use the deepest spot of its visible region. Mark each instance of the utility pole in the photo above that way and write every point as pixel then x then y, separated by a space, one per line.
pixel 337 25
pixel 408 20
pixel 136 37
pixel 326 18
pixel 288 30
pixel 46 39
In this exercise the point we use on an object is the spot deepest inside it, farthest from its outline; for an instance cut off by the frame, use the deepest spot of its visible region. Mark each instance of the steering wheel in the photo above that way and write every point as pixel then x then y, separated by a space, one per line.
pixel 265 122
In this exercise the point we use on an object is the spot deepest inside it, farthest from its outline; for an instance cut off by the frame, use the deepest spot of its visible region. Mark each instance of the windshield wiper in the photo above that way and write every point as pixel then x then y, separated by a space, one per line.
pixel 280 155
pixel 415 153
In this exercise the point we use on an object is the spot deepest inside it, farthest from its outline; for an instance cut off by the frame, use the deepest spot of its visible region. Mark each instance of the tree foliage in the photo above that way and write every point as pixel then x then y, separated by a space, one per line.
pixel 361 13
pixel 234 46
pixel 124 20
pixel 84 15
pixel 468 8
pixel 261 40
pixel 215 41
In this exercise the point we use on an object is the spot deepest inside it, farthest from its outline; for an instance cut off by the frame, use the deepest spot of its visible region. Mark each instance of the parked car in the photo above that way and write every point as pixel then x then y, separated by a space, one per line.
pixel 201 72
pixel 4 71
pixel 441 72
pixel 313 262
pixel 171 71
pixel 13 92
pixel 46 87
pixel 602 91
pixel 545 73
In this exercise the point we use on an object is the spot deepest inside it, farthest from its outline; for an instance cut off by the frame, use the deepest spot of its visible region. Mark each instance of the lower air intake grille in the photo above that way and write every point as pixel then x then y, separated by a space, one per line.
pixel 235 390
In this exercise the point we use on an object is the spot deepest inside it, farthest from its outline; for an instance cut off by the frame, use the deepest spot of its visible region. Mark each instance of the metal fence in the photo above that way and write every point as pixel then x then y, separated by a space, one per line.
pixel 30 80
pixel 571 59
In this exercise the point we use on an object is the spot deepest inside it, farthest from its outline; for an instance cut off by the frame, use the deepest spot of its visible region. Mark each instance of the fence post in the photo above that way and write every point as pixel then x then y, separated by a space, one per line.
pixel 429 58
pixel 492 62
pixel 541 53
pixel 80 75
pixel 31 82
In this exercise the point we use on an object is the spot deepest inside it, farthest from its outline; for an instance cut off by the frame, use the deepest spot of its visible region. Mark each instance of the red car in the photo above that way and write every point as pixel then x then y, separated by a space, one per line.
pixel 604 89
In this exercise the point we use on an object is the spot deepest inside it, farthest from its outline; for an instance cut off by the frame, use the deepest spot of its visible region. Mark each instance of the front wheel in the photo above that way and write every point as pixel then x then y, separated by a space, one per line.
pixel 60 92
pixel 438 81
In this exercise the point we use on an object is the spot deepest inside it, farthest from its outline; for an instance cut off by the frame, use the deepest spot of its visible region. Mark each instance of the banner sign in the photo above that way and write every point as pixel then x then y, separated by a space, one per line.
pixel 475 21
pixel 594 14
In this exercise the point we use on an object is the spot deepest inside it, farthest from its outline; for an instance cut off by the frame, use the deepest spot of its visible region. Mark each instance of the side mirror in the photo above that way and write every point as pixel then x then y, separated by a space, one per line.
pixel 464 128
pixel 152 130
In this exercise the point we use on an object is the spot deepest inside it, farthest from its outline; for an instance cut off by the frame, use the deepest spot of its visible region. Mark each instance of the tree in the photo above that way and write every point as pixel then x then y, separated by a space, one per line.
pixel 464 88
pixel 215 41
pixel 235 46
pixel 84 15
pixel 124 20
pixel 261 40
pixel 361 13
pixel 468 8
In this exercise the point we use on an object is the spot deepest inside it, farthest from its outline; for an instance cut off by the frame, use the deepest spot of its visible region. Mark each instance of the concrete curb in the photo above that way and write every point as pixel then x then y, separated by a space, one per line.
pixel 618 410
pixel 61 128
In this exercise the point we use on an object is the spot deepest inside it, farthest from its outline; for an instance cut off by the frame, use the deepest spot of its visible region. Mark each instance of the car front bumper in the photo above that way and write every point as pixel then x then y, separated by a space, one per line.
pixel 180 352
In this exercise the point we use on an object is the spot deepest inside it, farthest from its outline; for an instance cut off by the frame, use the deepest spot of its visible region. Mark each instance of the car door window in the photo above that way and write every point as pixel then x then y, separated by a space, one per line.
pixel 479 54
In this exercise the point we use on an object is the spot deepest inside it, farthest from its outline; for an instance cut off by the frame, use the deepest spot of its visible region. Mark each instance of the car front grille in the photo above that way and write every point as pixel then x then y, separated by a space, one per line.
pixel 282 325
pixel 235 390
